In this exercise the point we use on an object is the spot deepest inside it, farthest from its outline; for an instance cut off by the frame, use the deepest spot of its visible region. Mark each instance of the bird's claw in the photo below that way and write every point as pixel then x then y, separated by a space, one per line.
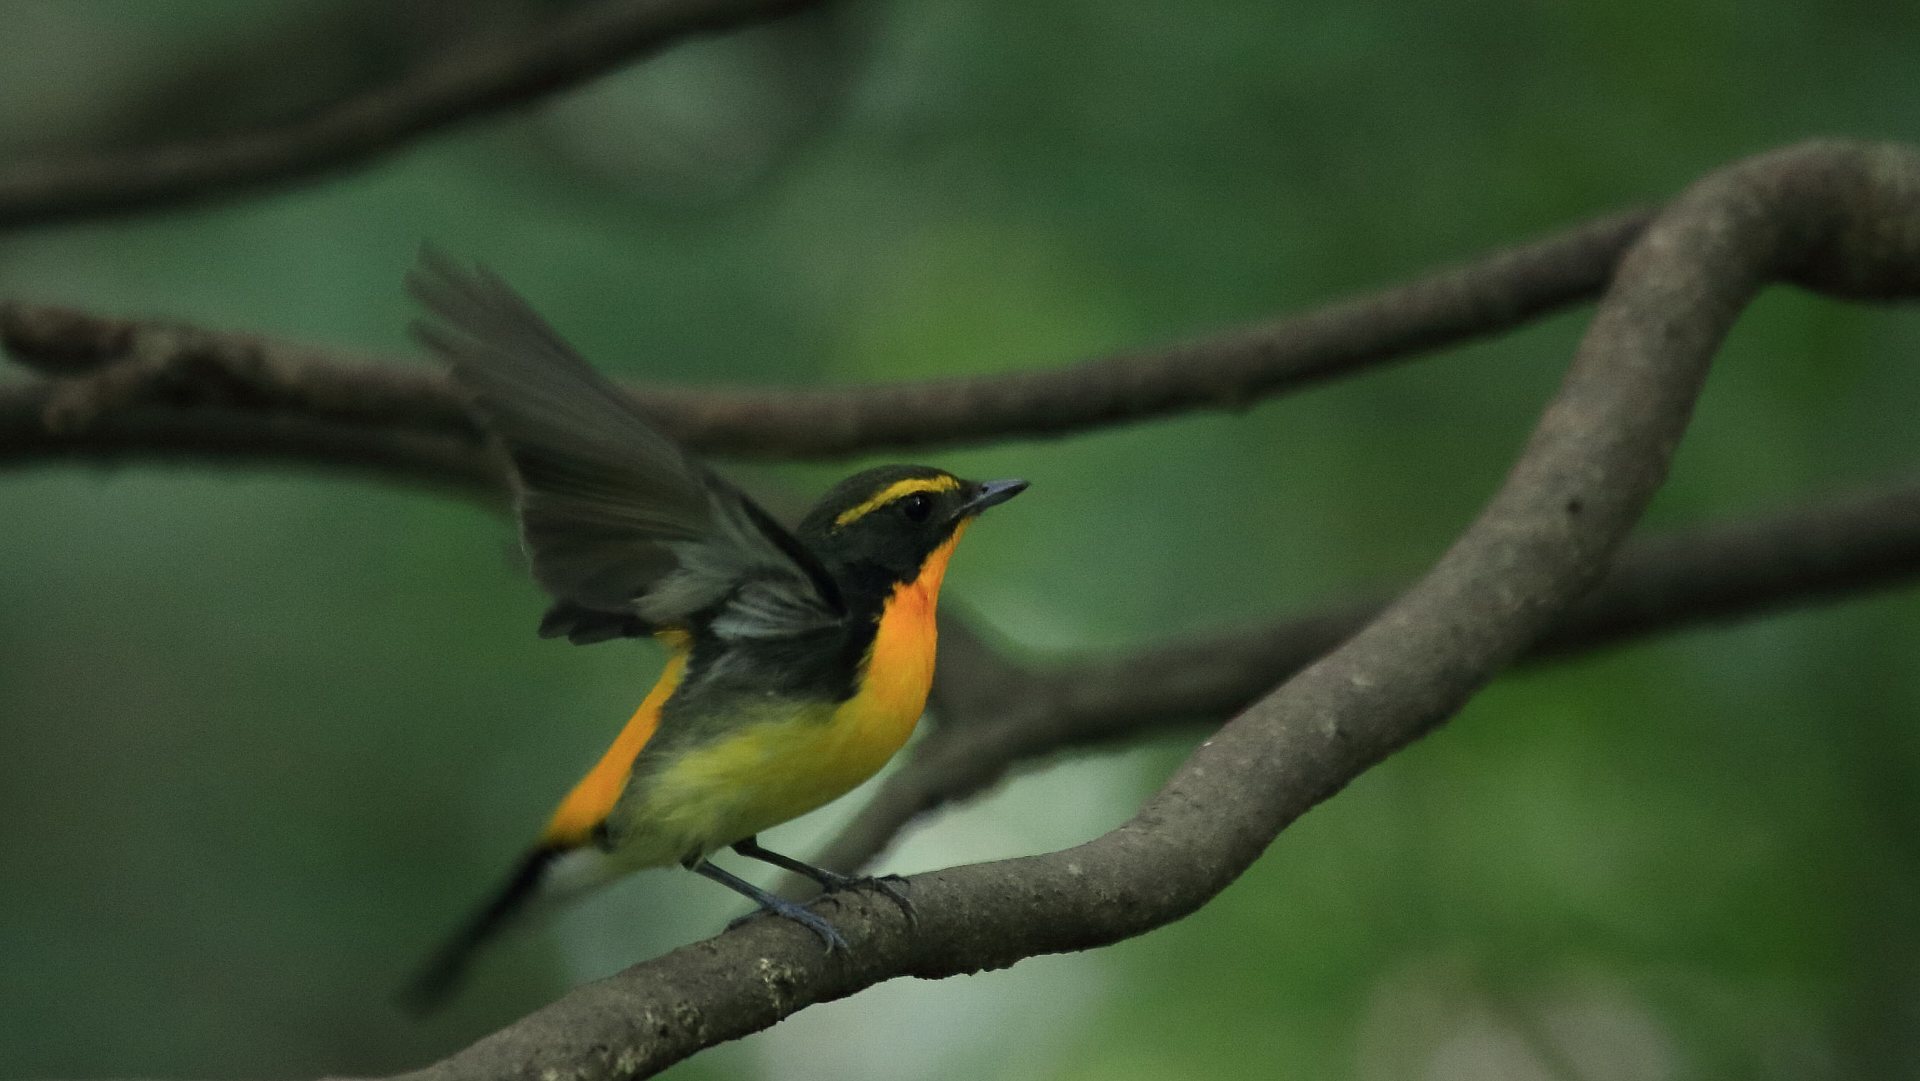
pixel 829 935
pixel 892 885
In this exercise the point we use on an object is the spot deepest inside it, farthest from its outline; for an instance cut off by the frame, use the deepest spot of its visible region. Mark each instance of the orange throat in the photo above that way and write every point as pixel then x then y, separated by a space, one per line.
pixel 900 665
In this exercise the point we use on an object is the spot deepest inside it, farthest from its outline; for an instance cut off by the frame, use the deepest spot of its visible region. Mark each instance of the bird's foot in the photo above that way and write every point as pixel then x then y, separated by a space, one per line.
pixel 829 881
pixel 892 885
pixel 829 935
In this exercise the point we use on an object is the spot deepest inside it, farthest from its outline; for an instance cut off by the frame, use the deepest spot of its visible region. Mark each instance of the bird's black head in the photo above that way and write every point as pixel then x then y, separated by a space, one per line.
pixel 881 527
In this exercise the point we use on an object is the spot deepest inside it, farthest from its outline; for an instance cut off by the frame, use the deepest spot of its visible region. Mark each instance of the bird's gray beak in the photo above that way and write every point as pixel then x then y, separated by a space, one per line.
pixel 990 494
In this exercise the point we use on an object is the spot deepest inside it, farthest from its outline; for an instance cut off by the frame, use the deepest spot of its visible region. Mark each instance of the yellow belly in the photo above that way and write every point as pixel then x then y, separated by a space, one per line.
pixel 770 771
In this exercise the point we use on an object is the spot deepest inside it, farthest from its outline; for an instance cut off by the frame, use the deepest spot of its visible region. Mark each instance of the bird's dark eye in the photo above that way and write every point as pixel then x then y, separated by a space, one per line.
pixel 917 507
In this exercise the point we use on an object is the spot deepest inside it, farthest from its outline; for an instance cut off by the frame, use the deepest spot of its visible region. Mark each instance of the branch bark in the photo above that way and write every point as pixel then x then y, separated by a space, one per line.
pixel 121 390
pixel 1843 216
pixel 472 80
pixel 152 389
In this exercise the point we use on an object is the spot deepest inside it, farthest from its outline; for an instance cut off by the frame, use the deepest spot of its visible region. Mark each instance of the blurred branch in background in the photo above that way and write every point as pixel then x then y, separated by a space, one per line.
pixel 251 73
pixel 151 388
pixel 470 79
pixel 1835 217
pixel 175 392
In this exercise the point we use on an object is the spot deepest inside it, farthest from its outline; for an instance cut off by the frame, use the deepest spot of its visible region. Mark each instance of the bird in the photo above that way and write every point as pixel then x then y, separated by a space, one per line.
pixel 799 660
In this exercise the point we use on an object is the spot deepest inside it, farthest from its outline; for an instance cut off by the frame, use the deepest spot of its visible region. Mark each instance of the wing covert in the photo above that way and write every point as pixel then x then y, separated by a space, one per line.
pixel 618 522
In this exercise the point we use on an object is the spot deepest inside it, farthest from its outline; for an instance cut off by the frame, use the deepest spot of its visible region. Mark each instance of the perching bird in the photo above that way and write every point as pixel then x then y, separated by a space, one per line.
pixel 799 661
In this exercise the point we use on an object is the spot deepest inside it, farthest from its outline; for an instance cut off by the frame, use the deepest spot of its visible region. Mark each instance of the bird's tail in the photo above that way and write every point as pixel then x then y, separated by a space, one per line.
pixel 443 971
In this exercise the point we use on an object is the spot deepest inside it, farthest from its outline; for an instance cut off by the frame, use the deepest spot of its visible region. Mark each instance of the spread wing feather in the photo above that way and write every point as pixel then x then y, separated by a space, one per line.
pixel 625 530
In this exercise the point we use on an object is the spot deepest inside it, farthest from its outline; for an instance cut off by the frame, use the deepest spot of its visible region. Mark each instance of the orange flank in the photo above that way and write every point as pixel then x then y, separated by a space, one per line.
pixel 593 799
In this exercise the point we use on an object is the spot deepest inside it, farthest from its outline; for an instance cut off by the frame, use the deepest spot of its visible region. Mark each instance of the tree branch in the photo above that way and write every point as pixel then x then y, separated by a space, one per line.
pixel 177 393
pixel 1840 215
pixel 1657 585
pixel 474 79
pixel 183 378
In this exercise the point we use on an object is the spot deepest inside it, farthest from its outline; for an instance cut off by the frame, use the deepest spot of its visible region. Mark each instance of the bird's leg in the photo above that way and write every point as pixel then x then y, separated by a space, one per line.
pixel 779 906
pixel 830 881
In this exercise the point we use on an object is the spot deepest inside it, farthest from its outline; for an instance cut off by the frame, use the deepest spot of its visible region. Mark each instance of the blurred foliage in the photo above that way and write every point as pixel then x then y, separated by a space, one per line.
pixel 267 734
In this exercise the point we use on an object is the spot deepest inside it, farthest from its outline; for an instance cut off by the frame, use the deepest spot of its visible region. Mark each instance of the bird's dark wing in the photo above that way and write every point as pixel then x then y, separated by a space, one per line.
pixel 624 529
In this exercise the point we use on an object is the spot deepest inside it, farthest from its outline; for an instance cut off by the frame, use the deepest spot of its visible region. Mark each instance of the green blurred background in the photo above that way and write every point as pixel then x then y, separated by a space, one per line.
pixel 267 733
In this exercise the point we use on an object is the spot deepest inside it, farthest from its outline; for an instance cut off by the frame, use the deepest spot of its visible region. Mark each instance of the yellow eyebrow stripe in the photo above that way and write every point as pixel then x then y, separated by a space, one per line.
pixel 898 489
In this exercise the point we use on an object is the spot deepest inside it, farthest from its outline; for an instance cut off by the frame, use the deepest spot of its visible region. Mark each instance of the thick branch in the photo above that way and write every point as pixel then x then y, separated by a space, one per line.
pixel 1657 585
pixel 154 407
pixel 1599 452
pixel 471 81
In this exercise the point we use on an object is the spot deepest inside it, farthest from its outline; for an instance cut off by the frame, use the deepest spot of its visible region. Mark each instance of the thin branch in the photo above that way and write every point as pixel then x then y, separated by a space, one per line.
pixel 1225 372
pixel 1599 452
pixel 1657 585
pixel 153 410
pixel 177 393
pixel 473 80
